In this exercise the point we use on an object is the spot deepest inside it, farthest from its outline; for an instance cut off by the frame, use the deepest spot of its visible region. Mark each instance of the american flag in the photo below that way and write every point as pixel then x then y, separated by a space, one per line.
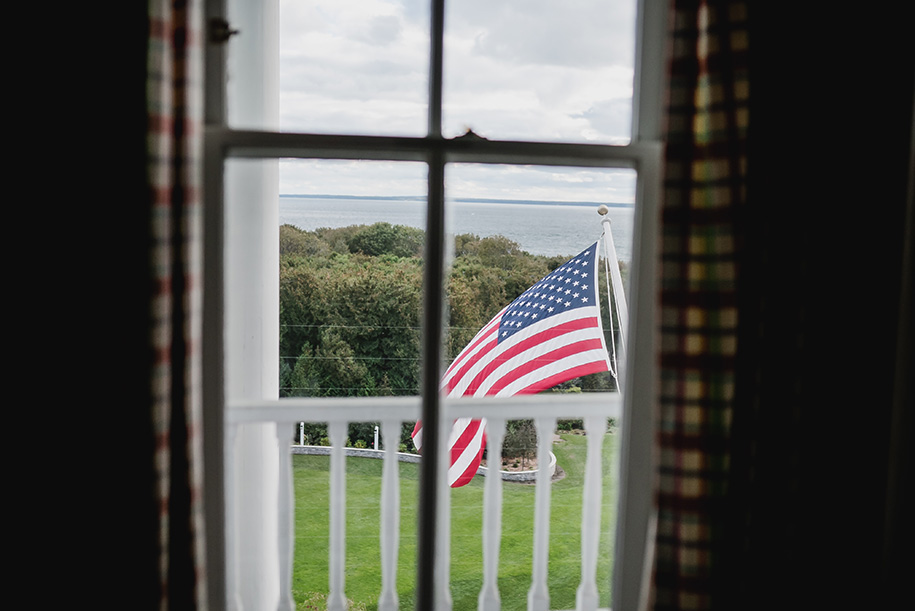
pixel 552 333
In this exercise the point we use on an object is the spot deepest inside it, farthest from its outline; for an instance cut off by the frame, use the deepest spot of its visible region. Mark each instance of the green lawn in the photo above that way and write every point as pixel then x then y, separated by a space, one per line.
pixel 363 564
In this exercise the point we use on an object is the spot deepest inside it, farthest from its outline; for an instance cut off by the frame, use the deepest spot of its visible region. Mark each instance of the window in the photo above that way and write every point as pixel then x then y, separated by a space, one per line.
pixel 247 138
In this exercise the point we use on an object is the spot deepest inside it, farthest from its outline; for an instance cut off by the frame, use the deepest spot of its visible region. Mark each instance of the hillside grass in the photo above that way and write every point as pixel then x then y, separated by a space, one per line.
pixel 363 564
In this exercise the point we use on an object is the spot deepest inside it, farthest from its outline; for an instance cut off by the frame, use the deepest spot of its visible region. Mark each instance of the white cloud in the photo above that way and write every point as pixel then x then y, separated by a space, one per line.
pixel 384 29
pixel 352 66
pixel 540 183
pixel 345 177
pixel 546 32
pixel 514 69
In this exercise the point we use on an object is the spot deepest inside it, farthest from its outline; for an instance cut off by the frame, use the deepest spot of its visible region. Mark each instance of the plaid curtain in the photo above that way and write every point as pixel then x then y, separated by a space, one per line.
pixel 174 167
pixel 704 193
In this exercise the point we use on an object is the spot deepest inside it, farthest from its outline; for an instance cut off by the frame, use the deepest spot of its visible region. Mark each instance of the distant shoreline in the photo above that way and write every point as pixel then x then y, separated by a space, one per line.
pixel 473 200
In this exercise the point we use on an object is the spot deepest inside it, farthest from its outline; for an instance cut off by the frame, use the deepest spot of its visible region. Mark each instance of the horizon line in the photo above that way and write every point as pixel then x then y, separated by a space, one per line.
pixel 458 199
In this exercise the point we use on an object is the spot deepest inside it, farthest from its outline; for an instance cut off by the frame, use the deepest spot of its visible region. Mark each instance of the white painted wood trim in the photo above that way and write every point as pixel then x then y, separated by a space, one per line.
pixel 390 516
pixel 489 599
pixel 407 409
pixel 285 522
pixel 538 598
pixel 233 570
pixel 586 598
pixel 443 600
pixel 336 599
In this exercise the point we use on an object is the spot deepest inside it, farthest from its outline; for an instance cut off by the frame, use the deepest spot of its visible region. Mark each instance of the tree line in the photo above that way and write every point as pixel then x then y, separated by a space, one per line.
pixel 350 309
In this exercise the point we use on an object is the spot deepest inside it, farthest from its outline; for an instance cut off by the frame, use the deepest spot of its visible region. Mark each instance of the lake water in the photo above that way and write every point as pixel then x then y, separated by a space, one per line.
pixel 540 228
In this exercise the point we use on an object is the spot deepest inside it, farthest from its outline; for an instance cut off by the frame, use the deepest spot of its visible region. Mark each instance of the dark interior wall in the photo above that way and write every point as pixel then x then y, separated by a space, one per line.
pixel 96 507
pixel 122 530
pixel 829 162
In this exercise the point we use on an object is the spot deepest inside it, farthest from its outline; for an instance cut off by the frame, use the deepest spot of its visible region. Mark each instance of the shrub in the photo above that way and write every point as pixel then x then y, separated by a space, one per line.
pixel 387 239
pixel 568 425
pixel 294 241
pixel 520 439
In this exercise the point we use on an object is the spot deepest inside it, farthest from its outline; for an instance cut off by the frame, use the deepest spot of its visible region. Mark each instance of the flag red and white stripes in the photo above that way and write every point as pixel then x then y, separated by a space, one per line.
pixel 552 333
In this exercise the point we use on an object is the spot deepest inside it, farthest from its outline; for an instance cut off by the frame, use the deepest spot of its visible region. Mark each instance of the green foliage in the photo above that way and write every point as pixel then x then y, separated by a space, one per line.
pixel 359 434
pixel 465 244
pixel 498 251
pixel 317 601
pixel 331 369
pixel 300 313
pixel 520 439
pixel 384 238
pixel 294 241
pixel 351 298
pixel 313 433
pixel 350 325
pixel 569 425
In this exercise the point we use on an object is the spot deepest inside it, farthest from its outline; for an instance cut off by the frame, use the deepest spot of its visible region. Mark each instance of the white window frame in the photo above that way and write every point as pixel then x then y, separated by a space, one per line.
pixel 251 375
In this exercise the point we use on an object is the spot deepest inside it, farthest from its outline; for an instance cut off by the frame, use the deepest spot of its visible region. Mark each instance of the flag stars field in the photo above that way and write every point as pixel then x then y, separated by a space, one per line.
pixel 550 334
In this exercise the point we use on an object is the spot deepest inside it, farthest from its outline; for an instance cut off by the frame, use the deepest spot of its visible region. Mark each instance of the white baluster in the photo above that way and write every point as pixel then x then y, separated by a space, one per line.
pixel 390 516
pixel 586 597
pixel 489 599
pixel 336 600
pixel 538 597
pixel 285 519
pixel 233 594
pixel 443 600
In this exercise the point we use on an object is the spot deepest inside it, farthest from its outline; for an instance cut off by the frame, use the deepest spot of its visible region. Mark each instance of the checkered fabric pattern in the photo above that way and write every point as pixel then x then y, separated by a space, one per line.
pixel 704 189
pixel 174 163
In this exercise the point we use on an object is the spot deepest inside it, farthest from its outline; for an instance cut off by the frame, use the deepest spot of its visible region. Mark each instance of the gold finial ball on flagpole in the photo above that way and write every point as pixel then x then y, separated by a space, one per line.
pixel 602 209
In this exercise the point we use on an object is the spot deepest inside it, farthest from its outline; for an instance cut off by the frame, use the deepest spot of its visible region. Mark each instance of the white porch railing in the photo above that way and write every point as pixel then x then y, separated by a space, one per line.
pixel 593 408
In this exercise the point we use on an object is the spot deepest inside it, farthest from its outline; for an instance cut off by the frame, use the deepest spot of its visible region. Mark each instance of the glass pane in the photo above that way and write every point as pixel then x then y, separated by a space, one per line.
pixel 354 66
pixel 514 230
pixel 545 210
pixel 549 213
pixel 351 239
pixel 513 226
pixel 540 69
pixel 351 242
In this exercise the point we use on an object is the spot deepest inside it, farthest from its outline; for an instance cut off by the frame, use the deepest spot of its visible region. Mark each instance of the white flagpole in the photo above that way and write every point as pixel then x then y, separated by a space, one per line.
pixel 622 309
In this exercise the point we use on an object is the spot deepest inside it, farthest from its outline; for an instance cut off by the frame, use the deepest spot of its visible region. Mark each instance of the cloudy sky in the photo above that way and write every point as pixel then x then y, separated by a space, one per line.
pixel 554 70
